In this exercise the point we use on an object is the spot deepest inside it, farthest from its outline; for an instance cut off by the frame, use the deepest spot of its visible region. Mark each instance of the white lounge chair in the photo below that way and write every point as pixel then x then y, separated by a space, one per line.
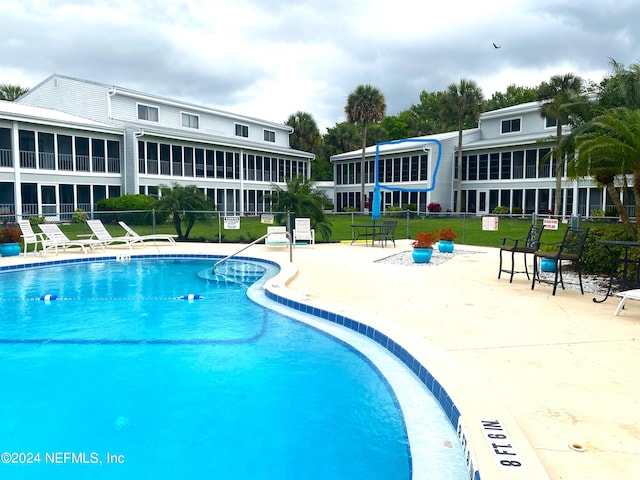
pixel 29 237
pixel 143 238
pixel 303 232
pixel 102 234
pixel 277 237
pixel 56 238
pixel 624 296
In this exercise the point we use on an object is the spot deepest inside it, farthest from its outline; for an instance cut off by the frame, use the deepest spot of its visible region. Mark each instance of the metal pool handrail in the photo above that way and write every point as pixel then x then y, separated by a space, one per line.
pixel 213 271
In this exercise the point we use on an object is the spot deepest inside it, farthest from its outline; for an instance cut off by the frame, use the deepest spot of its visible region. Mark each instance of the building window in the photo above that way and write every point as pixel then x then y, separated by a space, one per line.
pixel 190 121
pixel 145 112
pixel 510 126
pixel 550 122
pixel 269 136
pixel 242 130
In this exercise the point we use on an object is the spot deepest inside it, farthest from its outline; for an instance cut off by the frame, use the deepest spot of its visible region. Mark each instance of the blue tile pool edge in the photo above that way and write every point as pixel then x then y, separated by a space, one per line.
pixel 423 374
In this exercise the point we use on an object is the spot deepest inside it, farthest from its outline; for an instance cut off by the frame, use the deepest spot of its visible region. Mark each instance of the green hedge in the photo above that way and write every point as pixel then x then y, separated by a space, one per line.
pixel 136 210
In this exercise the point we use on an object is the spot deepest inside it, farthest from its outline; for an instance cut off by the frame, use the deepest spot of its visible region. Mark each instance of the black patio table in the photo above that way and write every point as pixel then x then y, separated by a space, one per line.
pixel 364 230
pixel 619 255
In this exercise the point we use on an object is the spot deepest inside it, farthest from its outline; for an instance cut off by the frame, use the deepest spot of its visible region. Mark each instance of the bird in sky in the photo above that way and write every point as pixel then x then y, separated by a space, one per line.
pixel 496 46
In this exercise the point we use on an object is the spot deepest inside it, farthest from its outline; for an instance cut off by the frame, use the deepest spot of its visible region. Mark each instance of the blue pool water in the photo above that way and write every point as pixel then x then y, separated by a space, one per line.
pixel 120 378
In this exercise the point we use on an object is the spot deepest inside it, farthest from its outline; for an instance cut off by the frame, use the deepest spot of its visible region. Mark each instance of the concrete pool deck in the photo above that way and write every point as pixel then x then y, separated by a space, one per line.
pixel 557 371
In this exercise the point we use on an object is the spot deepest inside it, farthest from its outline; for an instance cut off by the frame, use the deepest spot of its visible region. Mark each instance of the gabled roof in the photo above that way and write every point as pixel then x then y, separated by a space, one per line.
pixel 113 89
pixel 512 110
pixel 27 113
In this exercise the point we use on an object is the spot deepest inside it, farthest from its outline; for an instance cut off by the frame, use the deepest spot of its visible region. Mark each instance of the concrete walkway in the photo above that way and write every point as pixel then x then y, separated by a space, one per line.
pixel 559 371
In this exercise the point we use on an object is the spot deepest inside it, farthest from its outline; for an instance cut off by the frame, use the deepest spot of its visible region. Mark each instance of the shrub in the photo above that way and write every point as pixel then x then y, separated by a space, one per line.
pixel 393 211
pixel 501 210
pixel 10 235
pixel 611 212
pixel 425 240
pixel 596 258
pixel 79 216
pixel 37 219
pixel 434 207
pixel 134 209
pixel 447 234
pixel 516 210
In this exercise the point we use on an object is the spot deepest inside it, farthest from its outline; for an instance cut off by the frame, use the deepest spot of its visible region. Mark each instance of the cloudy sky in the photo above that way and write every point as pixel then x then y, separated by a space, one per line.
pixel 271 58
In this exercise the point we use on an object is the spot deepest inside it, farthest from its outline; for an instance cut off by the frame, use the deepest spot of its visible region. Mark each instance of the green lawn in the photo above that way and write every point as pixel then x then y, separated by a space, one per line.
pixel 468 229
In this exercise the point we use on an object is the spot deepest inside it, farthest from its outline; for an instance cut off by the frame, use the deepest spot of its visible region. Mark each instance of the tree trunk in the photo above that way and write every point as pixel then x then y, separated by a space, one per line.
pixel 615 198
pixel 557 209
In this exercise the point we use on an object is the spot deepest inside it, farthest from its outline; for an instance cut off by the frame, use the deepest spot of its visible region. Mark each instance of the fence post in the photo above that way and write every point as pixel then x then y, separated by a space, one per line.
pixel 408 220
pixel 290 236
pixel 153 219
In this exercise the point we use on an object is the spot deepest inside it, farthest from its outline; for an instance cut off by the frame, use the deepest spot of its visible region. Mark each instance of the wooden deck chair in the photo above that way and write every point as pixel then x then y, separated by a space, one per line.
pixel 569 250
pixel 303 232
pixel 277 237
pixel 528 245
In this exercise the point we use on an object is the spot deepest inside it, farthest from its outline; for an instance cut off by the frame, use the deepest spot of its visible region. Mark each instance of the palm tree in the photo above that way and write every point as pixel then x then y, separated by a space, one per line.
pixel 622 88
pixel 462 101
pixel 558 95
pixel 302 198
pixel 305 136
pixel 11 92
pixel 365 105
pixel 186 203
pixel 611 146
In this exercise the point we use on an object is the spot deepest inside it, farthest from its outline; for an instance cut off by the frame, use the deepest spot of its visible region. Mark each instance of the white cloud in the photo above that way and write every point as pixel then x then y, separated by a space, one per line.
pixel 271 59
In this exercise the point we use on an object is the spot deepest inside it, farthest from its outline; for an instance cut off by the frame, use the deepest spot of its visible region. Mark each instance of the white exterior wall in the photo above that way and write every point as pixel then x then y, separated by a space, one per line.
pixel 102 109
pixel 77 97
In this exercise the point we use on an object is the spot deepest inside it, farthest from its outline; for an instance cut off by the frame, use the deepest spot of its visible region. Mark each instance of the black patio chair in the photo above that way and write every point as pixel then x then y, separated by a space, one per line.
pixel 387 232
pixel 527 245
pixel 569 250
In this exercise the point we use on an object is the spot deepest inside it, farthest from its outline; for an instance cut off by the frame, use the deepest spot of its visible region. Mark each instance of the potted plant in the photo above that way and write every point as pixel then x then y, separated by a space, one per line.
pixel 423 247
pixel 9 238
pixel 447 236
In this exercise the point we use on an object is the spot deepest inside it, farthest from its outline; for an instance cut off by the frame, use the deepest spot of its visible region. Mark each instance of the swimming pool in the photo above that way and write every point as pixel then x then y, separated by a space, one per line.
pixel 120 377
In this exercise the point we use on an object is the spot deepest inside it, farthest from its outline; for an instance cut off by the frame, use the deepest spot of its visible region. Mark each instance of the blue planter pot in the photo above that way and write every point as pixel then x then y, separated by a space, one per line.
pixel 548 265
pixel 422 255
pixel 445 246
pixel 9 249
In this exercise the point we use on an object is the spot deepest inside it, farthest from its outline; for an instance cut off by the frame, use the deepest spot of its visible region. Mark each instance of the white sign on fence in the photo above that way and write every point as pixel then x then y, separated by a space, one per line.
pixel 232 223
pixel 266 218
pixel 489 223
pixel 550 223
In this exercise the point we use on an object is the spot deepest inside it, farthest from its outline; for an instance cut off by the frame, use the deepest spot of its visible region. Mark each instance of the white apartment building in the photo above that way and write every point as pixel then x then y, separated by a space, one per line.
pixel 68 143
pixel 503 163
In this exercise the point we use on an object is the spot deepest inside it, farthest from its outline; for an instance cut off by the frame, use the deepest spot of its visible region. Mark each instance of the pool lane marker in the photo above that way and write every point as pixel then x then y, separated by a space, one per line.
pixel 49 297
